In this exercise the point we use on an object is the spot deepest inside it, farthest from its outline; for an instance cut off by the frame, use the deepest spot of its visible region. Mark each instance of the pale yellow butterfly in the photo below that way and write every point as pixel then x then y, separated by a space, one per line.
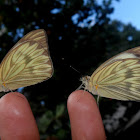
pixel 27 63
pixel 117 78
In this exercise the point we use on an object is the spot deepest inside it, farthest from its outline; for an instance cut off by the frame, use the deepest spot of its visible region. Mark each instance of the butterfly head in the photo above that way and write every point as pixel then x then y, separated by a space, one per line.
pixel 86 81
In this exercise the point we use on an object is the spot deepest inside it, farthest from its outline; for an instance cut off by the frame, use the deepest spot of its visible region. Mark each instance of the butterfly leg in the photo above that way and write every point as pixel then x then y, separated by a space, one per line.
pixel 81 86
pixel 3 88
pixel 98 97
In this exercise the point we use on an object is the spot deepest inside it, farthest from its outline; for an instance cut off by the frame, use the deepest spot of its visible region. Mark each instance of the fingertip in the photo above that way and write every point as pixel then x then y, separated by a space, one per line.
pixel 84 116
pixel 79 96
pixel 81 100
pixel 12 96
pixel 16 119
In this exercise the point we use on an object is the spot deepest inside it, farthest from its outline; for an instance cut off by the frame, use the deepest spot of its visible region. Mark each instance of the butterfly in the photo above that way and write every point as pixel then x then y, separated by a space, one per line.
pixel 27 63
pixel 117 78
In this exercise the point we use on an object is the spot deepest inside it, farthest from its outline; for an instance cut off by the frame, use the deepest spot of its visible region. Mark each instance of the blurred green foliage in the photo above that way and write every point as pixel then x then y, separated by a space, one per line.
pixel 81 35
pixel 53 120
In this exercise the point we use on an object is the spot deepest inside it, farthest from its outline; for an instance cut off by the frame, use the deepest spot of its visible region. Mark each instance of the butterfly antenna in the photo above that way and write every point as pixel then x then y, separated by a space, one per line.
pixel 68 64
pixel 75 69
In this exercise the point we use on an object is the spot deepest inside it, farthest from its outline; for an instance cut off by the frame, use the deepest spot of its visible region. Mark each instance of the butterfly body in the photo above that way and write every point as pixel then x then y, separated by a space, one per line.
pixel 27 63
pixel 118 77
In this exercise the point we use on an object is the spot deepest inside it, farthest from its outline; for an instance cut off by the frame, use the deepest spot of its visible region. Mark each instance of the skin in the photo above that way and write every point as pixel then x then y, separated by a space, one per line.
pixel 17 121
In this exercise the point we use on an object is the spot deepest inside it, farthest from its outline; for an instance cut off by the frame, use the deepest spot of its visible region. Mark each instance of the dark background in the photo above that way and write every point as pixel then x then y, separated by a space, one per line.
pixel 75 42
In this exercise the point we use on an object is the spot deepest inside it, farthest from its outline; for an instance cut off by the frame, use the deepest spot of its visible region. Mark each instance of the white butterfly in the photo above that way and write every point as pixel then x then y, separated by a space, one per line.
pixel 117 78
pixel 27 63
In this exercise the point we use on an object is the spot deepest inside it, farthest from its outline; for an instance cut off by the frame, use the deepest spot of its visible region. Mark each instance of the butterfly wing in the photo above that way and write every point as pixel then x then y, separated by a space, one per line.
pixel 119 79
pixel 35 35
pixel 27 63
pixel 131 53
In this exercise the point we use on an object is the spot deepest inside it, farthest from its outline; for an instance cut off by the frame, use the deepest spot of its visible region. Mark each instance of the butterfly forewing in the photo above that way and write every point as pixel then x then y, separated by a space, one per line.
pixel 28 62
